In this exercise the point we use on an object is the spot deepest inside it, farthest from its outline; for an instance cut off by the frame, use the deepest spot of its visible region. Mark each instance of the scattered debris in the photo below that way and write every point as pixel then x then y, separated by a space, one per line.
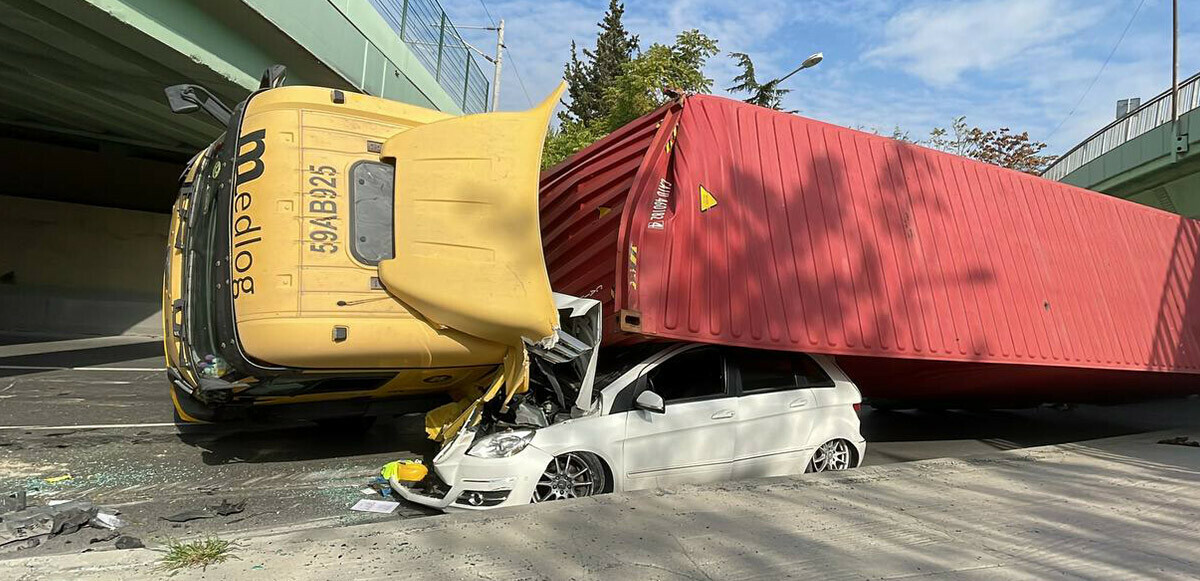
pixel 27 527
pixel 13 501
pixel 1181 441
pixel 379 506
pixel 200 553
pixel 226 508
pixel 57 479
pixel 128 542
pixel 105 519
pixel 104 537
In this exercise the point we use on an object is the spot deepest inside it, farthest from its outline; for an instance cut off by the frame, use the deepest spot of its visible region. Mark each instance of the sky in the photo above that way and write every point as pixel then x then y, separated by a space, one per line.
pixel 913 64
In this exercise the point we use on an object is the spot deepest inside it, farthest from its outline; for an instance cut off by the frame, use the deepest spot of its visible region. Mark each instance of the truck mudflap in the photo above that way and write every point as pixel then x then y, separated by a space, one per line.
pixel 468 248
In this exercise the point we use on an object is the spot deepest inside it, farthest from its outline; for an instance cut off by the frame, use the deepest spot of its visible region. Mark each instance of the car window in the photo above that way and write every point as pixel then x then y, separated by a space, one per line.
pixel 692 374
pixel 809 372
pixel 763 371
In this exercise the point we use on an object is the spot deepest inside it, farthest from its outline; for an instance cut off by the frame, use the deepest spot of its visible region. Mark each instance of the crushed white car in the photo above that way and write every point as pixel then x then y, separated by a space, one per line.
pixel 661 414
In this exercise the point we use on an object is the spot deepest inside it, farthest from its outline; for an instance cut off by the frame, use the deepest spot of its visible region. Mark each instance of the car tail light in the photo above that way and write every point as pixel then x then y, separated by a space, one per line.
pixel 857 407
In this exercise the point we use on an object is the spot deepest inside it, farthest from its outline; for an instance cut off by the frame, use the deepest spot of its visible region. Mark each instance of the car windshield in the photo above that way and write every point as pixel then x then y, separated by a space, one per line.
pixel 202 231
pixel 615 361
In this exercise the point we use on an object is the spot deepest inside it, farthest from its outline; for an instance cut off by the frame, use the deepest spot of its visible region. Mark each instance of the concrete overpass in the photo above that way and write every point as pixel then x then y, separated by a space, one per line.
pixel 91 152
pixel 1144 156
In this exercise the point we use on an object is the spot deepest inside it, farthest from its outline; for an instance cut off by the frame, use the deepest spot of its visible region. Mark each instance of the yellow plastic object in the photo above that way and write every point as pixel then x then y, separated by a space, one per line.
pixel 404 470
pixel 468 242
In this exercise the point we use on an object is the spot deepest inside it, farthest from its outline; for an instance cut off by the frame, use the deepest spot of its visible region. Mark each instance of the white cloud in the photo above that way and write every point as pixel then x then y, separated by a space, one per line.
pixel 939 42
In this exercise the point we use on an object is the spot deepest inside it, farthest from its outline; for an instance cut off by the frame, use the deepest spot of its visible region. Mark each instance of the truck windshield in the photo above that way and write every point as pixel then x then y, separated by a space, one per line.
pixel 199 286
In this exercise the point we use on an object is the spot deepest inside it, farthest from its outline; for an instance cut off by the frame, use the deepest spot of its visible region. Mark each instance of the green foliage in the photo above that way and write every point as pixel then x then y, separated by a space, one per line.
pixel 999 147
pixel 636 91
pixel 767 94
pixel 569 137
pixel 679 67
pixel 587 78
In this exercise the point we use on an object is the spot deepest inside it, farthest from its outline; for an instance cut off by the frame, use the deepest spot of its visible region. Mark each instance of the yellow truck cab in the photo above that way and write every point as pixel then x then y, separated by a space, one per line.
pixel 336 254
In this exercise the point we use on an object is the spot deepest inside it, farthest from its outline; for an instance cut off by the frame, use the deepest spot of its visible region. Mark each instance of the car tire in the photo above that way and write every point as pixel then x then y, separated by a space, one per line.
pixel 832 456
pixel 571 475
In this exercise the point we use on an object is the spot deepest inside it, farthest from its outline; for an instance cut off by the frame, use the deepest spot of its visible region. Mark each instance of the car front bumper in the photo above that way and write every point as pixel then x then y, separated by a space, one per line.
pixel 481 483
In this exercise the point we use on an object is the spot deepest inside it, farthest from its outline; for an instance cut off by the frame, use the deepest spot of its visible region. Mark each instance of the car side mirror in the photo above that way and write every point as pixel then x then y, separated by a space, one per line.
pixel 650 401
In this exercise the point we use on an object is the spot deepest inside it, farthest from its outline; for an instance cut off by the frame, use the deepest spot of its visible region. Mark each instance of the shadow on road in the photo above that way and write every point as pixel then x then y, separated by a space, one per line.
pixel 402 436
pixel 82 358
pixel 1039 426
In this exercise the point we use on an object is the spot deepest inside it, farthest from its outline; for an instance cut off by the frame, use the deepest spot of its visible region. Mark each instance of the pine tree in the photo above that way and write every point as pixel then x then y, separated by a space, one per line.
pixel 767 94
pixel 588 78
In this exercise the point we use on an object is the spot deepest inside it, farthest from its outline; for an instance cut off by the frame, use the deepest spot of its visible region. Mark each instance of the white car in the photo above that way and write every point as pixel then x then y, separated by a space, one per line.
pixel 663 415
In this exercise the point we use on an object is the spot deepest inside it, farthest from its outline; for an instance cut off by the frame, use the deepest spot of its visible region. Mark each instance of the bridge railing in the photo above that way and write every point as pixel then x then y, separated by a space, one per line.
pixel 424 26
pixel 1154 113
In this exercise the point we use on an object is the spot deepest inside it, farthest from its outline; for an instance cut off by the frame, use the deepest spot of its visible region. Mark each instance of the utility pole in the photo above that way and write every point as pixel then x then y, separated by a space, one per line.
pixel 1175 64
pixel 500 61
pixel 495 60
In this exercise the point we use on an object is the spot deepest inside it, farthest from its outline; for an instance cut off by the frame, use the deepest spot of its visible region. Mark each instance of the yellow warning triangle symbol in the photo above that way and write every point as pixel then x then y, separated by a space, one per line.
pixel 707 201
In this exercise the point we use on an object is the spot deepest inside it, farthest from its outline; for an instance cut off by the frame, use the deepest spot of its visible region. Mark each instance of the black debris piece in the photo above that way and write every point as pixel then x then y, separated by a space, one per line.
pixel 226 508
pixel 188 515
pixel 1181 441
pixel 104 537
pixel 128 542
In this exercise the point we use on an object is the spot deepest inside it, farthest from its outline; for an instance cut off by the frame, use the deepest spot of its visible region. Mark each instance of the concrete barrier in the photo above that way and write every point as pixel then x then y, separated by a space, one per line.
pixel 75 269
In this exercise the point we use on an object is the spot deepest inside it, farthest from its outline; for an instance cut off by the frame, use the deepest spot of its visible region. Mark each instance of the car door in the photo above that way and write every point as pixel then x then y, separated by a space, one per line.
pixel 777 410
pixel 693 439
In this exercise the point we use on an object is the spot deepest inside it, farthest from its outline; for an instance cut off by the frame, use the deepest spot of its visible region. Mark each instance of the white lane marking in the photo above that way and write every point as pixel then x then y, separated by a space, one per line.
pixel 51 368
pixel 83 381
pixel 90 427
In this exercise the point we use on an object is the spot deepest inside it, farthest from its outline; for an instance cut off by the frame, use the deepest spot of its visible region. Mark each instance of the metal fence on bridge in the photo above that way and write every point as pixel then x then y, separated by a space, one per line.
pixel 1154 113
pixel 424 26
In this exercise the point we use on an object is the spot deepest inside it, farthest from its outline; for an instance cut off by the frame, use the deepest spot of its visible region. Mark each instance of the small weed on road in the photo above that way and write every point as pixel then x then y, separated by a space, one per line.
pixel 199 553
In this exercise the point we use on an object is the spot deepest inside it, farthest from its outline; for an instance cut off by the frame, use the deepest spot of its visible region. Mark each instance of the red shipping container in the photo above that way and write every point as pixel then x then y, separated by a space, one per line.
pixel 927 274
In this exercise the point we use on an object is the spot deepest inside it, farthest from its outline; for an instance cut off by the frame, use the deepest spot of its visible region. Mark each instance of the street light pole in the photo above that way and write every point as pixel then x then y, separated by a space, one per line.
pixel 499 61
pixel 811 61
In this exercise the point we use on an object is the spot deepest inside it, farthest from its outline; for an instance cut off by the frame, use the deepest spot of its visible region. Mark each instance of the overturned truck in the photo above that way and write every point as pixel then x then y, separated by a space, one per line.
pixel 930 277
pixel 337 255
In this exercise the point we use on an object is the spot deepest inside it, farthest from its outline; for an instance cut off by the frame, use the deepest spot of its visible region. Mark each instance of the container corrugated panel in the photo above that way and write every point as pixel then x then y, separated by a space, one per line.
pixel 583 203
pixel 745 226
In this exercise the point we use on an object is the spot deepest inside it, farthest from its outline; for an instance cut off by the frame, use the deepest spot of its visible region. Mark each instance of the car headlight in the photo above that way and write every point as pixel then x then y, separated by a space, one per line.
pixel 501 445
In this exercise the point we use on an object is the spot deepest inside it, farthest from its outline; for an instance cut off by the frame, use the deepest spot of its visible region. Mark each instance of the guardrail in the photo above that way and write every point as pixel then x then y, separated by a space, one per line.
pixel 1154 113
pixel 423 25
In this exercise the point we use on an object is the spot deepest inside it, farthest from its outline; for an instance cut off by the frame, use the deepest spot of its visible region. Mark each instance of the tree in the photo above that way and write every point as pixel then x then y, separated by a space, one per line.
pixel 999 147
pixel 637 90
pixel 767 94
pixel 588 77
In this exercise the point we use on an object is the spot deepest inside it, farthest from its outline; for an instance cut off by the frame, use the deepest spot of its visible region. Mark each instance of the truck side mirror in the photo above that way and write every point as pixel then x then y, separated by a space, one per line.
pixel 272 77
pixel 650 401
pixel 191 98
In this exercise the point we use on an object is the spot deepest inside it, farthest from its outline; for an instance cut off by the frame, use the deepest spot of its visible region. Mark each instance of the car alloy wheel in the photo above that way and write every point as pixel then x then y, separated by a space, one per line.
pixel 571 475
pixel 831 456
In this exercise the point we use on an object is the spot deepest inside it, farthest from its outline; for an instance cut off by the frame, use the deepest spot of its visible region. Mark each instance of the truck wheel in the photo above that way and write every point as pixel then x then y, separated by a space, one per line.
pixel 570 475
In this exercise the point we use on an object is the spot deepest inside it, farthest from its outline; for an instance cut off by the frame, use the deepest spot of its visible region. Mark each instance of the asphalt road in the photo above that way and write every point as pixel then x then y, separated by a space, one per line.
pixel 98 409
